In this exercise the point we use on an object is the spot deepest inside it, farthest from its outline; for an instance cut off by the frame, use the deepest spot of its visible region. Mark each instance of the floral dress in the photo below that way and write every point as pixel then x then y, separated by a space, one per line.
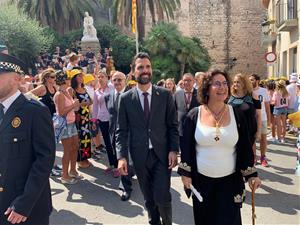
pixel 83 127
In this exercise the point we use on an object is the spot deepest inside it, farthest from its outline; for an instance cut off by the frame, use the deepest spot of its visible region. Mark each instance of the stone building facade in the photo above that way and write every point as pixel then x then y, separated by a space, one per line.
pixel 229 29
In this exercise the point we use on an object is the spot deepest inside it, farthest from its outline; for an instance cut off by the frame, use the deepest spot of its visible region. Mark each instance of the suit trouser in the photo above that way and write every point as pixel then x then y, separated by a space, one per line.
pixel 154 179
pixel 218 206
pixel 127 180
pixel 112 158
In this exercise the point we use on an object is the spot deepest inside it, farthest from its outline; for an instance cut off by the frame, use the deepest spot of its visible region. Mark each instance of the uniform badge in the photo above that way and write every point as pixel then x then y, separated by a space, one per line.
pixel 16 122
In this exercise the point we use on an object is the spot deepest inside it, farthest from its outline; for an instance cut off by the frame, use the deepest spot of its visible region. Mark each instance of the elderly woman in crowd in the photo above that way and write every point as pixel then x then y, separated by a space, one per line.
pixel 217 154
pixel 101 120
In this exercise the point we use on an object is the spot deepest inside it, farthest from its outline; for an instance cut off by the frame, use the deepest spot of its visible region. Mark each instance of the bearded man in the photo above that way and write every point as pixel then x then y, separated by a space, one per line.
pixel 148 116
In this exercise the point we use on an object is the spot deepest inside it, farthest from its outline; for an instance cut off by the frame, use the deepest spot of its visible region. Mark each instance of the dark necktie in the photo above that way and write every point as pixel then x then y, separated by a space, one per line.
pixel 1 112
pixel 188 98
pixel 146 106
pixel 117 100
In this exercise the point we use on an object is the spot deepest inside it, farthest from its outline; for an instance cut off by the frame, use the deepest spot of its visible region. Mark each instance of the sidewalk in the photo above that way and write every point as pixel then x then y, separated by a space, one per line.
pixel 96 199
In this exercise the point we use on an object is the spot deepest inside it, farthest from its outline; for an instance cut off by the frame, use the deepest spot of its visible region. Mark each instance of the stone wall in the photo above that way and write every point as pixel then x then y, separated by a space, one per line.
pixel 229 29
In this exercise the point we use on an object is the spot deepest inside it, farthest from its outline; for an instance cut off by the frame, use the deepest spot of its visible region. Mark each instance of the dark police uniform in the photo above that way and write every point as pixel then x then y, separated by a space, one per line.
pixel 27 149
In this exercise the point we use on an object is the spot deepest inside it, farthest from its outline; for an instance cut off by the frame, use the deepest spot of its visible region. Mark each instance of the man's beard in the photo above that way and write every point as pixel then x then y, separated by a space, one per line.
pixel 144 79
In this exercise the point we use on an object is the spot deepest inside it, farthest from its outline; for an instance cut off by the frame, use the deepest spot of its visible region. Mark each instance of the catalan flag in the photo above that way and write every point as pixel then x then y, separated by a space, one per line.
pixel 133 17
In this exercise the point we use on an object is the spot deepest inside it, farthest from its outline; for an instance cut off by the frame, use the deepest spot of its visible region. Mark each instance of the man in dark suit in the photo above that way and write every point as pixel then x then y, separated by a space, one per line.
pixel 185 100
pixel 27 148
pixel 147 115
pixel 112 101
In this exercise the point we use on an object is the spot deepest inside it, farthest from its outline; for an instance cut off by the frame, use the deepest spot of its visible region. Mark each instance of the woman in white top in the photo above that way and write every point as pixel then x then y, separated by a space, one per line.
pixel 217 155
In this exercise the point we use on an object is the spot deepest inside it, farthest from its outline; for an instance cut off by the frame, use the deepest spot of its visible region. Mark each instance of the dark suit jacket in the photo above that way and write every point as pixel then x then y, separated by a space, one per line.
pixel 181 108
pixel 27 155
pixel 162 128
pixel 113 111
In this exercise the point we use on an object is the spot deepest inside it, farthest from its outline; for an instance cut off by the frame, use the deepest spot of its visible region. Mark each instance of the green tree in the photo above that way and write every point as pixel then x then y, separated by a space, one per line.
pixel 23 36
pixel 61 15
pixel 122 12
pixel 173 54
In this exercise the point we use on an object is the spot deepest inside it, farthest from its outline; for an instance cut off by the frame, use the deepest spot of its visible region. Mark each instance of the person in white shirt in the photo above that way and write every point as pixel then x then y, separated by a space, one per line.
pixel 264 98
pixel 292 90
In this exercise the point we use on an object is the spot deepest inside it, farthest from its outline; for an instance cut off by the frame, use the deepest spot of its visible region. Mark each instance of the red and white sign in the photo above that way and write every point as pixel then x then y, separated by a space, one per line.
pixel 270 57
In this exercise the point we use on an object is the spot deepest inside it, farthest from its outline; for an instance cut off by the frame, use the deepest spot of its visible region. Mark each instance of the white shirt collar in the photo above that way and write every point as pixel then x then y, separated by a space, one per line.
pixel 140 92
pixel 7 103
pixel 121 92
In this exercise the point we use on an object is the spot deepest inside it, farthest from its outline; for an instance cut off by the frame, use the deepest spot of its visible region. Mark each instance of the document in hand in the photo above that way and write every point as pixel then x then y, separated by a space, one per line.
pixel 197 194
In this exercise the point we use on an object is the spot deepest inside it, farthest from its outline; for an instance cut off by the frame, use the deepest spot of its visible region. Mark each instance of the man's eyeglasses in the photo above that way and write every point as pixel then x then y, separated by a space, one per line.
pixel 117 80
pixel 53 77
pixel 219 84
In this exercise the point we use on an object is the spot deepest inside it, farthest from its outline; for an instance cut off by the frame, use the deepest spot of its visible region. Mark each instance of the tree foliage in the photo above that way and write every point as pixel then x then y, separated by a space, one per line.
pixel 173 54
pixel 23 36
pixel 160 10
pixel 61 15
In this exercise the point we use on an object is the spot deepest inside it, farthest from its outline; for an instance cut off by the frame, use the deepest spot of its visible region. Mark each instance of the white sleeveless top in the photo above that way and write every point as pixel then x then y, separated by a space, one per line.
pixel 216 158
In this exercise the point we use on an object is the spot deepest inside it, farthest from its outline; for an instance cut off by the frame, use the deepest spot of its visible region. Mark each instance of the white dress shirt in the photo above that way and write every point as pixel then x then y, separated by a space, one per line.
pixel 9 101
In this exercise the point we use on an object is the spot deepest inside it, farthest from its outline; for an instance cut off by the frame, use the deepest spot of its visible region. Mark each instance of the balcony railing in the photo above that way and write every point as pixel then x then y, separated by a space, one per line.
pixel 286 11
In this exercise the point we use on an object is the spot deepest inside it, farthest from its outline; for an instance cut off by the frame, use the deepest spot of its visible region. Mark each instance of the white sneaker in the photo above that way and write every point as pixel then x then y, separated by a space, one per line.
pixel 282 141
pixel 271 139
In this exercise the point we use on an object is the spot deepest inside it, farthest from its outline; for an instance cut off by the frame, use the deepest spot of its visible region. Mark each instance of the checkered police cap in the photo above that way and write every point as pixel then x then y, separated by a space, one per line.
pixel 9 63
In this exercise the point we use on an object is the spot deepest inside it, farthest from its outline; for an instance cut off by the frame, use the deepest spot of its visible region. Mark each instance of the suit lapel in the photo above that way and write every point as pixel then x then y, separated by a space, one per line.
pixel 137 103
pixel 11 112
pixel 183 100
pixel 154 103
pixel 194 101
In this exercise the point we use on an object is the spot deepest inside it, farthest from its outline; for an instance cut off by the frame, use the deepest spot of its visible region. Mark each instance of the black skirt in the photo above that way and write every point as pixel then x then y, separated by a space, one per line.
pixel 218 206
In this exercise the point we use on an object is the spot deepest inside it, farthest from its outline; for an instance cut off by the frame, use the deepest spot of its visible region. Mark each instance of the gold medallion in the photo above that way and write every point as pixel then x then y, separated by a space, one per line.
pixel 16 122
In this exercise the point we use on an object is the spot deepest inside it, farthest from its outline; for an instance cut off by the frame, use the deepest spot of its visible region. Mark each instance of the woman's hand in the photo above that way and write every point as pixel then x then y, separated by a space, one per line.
pixel 76 103
pixel 87 103
pixel 187 181
pixel 254 183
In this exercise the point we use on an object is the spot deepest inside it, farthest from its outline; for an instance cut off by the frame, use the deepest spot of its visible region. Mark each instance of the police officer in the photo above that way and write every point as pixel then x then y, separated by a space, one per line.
pixel 27 149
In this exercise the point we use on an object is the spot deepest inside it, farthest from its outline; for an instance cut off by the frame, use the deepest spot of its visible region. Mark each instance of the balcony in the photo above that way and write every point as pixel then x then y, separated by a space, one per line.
pixel 286 14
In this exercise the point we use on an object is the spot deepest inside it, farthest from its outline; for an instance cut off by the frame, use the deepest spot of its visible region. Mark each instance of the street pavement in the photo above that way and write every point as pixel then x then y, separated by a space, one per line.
pixel 96 199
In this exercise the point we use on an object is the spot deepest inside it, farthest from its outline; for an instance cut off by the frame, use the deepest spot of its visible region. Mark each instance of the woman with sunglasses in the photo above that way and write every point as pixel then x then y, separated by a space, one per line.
pixel 216 154
pixel 46 90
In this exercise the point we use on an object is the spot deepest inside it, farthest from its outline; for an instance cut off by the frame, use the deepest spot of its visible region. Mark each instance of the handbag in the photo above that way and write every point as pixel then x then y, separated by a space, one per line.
pixel 59 124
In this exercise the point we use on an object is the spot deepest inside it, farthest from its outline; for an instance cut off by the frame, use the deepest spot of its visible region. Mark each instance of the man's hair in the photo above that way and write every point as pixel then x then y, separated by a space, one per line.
pixel 140 55
pixel 256 77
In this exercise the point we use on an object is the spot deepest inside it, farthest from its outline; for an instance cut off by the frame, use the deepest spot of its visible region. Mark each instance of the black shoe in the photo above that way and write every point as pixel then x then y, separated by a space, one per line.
pixel 57 167
pixel 125 195
pixel 55 173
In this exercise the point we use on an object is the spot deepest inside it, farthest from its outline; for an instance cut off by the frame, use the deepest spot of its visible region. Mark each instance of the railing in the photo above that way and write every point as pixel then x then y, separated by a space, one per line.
pixel 286 11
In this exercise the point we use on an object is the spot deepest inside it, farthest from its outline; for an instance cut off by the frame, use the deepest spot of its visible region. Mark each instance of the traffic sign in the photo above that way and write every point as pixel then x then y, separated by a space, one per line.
pixel 270 57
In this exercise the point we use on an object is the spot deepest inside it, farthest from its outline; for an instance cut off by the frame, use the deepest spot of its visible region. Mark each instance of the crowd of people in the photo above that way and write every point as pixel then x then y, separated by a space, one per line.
pixel 207 120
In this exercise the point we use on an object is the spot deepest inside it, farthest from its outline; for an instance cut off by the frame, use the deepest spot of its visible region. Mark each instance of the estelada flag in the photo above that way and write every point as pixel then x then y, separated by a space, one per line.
pixel 133 16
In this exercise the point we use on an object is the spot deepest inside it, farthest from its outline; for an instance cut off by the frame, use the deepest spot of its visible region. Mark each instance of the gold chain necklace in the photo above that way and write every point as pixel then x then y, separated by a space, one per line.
pixel 218 121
